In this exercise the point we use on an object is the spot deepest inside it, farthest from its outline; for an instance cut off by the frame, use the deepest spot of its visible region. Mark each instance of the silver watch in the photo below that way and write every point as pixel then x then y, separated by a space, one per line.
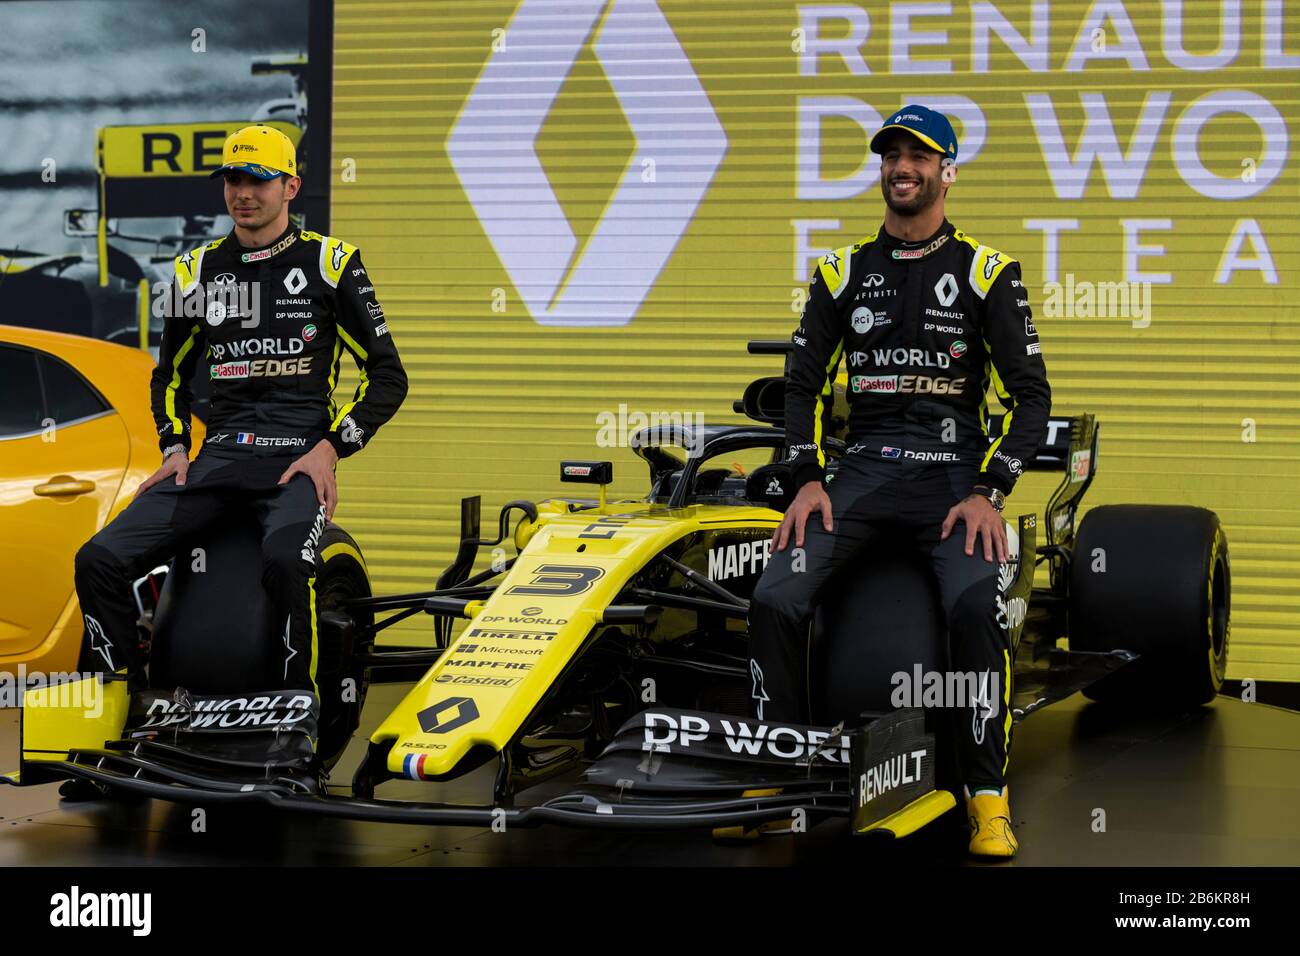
pixel 173 449
pixel 996 498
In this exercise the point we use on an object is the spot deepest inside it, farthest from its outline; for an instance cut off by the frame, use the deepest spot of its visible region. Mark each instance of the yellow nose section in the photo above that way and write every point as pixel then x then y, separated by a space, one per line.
pixel 520 640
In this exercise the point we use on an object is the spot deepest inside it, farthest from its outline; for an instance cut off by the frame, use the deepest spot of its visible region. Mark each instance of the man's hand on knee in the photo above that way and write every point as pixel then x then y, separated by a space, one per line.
pixel 811 497
pixel 982 520
pixel 318 465
pixel 177 463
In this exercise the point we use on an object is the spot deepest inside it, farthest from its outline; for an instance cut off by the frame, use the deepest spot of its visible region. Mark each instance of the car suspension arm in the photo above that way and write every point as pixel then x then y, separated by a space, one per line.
pixel 704 584
pixel 689 603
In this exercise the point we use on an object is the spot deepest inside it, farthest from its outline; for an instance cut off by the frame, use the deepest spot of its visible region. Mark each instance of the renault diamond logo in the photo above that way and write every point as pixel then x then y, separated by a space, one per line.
pixel 946 290
pixel 670 116
pixel 447 715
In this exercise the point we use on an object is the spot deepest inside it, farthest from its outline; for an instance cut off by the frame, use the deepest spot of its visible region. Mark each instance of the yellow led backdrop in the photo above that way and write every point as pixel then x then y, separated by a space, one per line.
pixel 577 213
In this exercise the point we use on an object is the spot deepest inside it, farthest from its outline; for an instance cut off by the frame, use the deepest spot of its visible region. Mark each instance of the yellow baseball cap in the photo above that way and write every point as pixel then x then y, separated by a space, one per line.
pixel 261 151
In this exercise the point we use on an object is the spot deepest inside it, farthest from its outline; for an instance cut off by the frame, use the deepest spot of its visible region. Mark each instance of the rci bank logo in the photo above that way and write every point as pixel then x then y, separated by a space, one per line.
pixel 670 116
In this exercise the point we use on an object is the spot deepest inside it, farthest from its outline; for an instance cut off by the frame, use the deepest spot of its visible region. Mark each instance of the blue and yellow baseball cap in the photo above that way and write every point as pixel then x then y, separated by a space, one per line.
pixel 261 151
pixel 929 126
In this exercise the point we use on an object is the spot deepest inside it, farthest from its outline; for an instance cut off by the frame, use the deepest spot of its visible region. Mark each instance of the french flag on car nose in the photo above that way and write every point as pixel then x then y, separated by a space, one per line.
pixel 244 438
pixel 413 766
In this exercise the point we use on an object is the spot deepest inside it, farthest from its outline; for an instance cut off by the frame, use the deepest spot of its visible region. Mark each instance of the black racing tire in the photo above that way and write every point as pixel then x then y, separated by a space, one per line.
pixel 340 679
pixel 1154 580
pixel 882 615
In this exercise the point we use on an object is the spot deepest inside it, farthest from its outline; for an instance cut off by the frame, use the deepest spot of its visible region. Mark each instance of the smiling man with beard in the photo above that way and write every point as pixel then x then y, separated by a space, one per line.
pixel 925 318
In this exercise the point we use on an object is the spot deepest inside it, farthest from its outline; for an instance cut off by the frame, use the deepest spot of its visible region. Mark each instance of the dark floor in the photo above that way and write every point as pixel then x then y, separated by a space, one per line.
pixel 1218 787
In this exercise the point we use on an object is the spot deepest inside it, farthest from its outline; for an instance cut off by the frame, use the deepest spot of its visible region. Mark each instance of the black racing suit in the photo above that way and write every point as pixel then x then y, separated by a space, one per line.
pixel 924 328
pixel 273 323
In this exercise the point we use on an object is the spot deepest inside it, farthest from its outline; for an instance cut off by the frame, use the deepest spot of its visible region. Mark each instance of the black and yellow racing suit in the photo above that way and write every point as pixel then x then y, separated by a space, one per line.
pixel 273 323
pixel 924 328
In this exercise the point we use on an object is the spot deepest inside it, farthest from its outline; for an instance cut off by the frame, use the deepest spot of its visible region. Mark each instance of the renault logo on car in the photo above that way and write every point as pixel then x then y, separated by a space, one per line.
pixel 447 715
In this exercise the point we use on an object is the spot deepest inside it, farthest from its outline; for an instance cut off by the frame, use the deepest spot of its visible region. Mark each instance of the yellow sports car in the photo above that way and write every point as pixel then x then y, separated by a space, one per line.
pixel 76 439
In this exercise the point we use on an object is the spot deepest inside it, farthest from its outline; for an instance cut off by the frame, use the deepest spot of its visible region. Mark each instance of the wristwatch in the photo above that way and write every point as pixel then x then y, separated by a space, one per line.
pixel 996 498
pixel 173 449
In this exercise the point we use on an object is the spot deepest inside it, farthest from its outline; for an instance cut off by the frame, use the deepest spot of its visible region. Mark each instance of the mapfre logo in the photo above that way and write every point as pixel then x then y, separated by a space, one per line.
pixel 561 280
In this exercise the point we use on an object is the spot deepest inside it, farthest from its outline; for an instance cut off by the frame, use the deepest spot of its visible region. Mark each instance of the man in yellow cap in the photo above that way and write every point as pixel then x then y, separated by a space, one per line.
pixel 273 308
pixel 260 166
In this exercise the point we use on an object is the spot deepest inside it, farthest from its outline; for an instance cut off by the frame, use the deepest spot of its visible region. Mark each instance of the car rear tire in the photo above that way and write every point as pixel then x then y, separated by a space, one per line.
pixel 1154 580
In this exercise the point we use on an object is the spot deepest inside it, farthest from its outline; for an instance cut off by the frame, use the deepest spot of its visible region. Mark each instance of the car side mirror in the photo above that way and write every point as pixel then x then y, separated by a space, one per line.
pixel 587 472
pixel 84 224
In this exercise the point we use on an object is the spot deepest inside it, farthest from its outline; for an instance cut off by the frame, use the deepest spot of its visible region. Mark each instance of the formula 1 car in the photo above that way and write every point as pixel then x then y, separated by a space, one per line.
pixel 612 647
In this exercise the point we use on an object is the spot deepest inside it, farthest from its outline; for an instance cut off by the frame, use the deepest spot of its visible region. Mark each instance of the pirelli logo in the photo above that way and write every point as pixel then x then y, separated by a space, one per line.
pixel 506 634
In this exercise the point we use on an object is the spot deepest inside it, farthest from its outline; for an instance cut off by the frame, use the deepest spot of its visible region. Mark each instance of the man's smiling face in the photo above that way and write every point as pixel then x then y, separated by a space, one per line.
pixel 911 178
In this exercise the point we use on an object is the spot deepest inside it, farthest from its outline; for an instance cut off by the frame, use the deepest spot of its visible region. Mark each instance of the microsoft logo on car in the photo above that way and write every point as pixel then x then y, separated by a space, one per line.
pixel 561 280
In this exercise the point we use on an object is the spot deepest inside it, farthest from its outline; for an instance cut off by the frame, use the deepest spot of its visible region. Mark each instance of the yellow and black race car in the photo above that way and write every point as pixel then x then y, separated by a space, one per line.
pixel 612 647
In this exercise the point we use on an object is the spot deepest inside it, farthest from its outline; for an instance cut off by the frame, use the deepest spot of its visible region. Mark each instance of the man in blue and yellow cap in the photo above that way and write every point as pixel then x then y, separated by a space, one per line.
pixel 915 190
pixel 925 318
pixel 260 166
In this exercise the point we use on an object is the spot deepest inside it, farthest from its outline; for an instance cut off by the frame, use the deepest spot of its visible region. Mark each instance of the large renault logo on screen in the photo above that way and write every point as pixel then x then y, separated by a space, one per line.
pixel 493 150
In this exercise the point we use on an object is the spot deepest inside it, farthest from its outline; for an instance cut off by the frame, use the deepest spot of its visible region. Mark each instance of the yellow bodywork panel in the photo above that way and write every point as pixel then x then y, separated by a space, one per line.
pixel 915 815
pixel 77 715
pixel 520 639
